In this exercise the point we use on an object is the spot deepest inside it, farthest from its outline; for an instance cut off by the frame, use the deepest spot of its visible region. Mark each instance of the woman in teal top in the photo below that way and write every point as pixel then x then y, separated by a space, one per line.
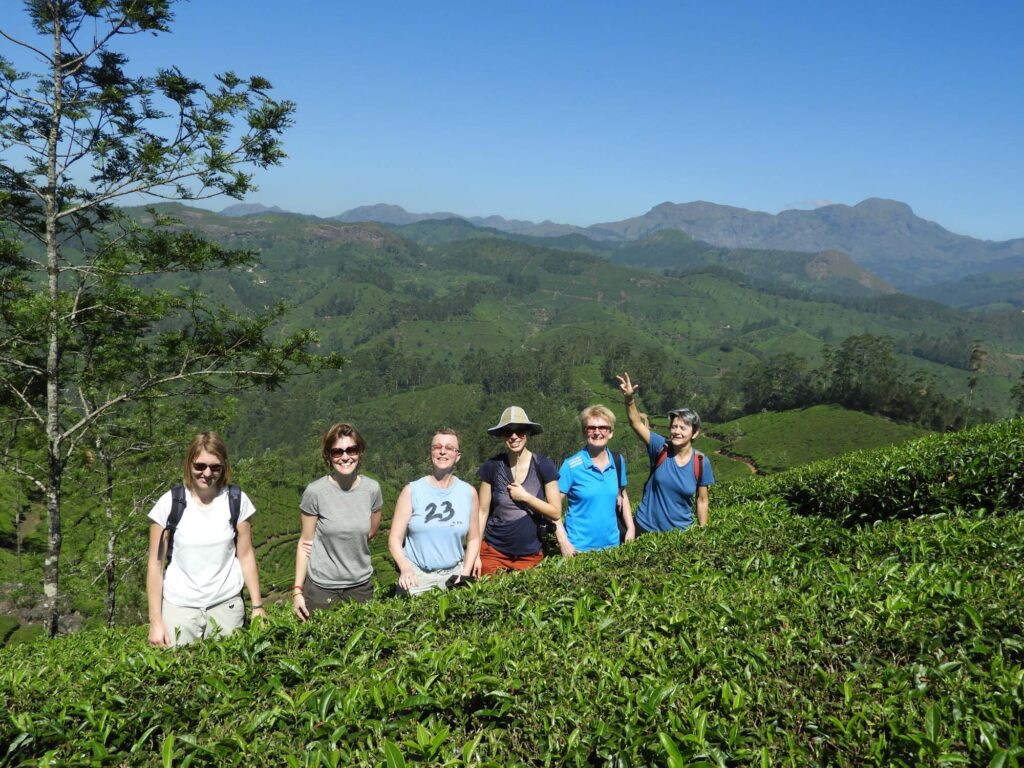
pixel 435 532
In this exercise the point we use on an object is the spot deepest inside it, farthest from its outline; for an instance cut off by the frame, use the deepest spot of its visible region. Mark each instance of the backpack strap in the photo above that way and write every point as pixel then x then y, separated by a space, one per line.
pixel 178 502
pixel 235 505
pixel 660 458
pixel 698 466
pixel 656 461
pixel 618 469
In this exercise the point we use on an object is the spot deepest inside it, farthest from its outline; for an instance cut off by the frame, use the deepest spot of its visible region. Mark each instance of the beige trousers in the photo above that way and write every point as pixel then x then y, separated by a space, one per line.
pixel 186 625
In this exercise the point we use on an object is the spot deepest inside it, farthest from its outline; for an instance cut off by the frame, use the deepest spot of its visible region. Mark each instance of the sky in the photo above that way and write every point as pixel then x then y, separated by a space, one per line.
pixel 584 112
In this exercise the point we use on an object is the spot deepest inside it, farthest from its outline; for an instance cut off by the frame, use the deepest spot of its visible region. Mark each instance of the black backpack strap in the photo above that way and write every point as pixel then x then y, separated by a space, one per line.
pixel 178 502
pixel 235 504
pixel 618 470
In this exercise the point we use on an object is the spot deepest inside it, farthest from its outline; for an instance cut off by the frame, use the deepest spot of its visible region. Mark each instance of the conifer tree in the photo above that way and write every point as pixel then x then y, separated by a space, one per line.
pixel 84 329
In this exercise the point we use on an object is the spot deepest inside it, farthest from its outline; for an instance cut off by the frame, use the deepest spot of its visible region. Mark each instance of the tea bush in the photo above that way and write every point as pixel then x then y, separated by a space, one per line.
pixel 767 638
pixel 982 468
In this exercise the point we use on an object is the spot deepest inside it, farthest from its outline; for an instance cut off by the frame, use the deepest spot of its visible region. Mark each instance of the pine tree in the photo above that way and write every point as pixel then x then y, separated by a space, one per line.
pixel 84 332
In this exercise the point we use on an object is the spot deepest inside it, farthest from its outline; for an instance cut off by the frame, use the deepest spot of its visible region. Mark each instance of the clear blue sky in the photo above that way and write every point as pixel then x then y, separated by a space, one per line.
pixel 593 111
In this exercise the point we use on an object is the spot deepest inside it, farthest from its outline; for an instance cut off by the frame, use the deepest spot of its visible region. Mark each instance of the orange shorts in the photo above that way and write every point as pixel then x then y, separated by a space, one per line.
pixel 491 560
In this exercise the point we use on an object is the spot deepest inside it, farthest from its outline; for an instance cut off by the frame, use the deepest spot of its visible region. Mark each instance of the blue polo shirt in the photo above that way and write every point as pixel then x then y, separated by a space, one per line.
pixel 591 522
pixel 668 500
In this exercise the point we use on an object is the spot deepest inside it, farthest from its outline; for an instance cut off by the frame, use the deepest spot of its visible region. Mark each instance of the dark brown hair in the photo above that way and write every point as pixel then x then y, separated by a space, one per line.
pixel 331 437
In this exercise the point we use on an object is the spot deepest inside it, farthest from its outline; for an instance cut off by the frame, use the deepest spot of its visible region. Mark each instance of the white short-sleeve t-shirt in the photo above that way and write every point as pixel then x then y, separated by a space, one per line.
pixel 204 570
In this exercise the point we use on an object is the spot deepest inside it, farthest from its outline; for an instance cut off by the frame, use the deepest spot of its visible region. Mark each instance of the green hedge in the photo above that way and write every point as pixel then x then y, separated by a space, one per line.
pixel 979 468
pixel 765 639
pixel 8 624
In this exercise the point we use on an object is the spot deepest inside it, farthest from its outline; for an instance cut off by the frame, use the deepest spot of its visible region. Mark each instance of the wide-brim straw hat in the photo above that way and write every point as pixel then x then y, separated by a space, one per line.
pixel 514 416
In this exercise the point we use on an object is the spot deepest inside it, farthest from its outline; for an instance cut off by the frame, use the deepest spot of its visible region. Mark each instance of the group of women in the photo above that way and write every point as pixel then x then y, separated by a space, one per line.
pixel 444 532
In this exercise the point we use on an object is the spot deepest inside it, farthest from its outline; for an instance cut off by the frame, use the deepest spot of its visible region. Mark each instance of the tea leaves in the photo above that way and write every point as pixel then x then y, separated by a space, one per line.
pixel 772 637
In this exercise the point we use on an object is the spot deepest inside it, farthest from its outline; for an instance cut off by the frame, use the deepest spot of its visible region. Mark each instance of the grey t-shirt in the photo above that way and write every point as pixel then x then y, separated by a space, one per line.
pixel 341 550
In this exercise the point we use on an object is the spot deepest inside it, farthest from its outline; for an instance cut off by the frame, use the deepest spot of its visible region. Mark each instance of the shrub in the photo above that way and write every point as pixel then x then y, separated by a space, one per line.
pixel 979 468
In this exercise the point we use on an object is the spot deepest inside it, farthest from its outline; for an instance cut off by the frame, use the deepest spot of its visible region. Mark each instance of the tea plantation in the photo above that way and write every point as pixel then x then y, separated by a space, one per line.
pixel 861 611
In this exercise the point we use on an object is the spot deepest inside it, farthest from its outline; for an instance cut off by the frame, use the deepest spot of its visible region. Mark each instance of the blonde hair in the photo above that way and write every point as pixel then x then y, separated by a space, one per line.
pixel 448 431
pixel 211 442
pixel 598 412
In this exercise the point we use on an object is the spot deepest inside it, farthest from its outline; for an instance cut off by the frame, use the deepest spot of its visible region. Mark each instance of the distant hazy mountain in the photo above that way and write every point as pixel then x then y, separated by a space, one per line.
pixel 519 227
pixel 883 236
pixel 389 214
pixel 829 270
pixel 249 209
pixel 395 215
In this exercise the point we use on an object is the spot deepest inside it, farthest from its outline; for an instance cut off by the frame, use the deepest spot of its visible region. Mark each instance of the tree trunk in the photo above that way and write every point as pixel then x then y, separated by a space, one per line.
pixel 51 565
pixel 109 564
pixel 54 447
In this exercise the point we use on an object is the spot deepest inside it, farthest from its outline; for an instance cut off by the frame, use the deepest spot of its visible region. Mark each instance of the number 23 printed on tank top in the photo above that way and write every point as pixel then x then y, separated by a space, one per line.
pixel 447 512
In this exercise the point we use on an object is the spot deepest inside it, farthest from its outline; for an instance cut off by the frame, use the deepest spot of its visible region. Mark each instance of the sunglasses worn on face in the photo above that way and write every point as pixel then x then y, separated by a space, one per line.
pixel 202 466
pixel 337 453
pixel 602 429
pixel 437 448
pixel 515 431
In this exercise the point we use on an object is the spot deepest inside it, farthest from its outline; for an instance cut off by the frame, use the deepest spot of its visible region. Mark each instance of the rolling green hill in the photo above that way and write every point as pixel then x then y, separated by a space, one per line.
pixel 364 286
pixel 450 332
pixel 992 292
pixel 779 441
pixel 825 272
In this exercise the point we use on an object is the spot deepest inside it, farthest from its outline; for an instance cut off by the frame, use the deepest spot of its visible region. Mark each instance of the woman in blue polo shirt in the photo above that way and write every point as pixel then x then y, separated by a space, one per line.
pixel 677 490
pixel 435 533
pixel 595 484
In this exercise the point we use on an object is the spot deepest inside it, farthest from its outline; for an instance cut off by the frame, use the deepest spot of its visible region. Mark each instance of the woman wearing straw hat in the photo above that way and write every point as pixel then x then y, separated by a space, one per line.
pixel 518 492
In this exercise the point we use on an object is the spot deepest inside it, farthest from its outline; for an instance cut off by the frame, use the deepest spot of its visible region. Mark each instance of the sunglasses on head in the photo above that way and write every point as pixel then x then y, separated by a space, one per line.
pixel 202 466
pixel 337 453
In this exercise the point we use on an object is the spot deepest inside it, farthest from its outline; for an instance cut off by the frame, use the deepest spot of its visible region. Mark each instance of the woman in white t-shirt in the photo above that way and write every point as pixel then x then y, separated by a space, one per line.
pixel 200 594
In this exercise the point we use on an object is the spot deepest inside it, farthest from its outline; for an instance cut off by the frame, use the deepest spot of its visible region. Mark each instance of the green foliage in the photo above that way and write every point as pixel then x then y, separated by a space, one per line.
pixel 86 331
pixel 766 638
pixel 982 468
pixel 1018 394
pixel 779 441
pixel 8 624
pixel 779 384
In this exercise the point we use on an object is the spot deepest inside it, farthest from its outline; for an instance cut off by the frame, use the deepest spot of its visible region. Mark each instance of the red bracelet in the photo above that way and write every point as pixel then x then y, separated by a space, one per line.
pixel 297 586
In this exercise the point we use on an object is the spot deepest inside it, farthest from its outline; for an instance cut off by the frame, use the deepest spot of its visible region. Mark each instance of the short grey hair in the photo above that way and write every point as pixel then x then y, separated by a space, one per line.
pixel 688 415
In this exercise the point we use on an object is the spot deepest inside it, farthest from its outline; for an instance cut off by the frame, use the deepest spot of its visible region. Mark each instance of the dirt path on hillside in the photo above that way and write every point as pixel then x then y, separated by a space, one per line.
pixel 750 464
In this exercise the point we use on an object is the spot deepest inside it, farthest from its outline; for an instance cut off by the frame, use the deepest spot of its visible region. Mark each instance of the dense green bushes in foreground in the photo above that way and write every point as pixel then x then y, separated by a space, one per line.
pixel 769 638
pixel 981 468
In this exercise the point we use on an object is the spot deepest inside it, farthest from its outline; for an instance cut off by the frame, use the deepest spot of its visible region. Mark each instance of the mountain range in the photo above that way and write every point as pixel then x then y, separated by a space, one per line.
pixel 884 237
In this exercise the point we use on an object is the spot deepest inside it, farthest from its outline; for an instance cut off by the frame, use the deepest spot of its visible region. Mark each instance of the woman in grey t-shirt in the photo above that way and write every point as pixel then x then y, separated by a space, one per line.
pixel 340 514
